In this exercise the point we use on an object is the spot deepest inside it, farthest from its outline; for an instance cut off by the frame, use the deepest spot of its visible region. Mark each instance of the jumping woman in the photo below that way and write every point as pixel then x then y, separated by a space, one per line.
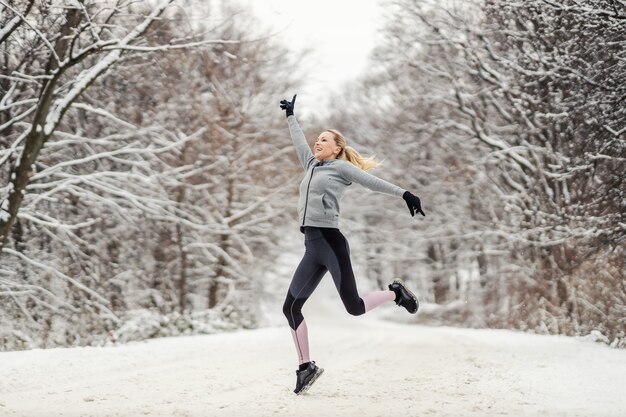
pixel 330 169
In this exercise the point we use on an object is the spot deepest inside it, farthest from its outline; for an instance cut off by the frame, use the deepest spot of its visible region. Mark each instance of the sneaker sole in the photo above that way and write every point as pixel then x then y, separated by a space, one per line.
pixel 307 386
pixel 399 281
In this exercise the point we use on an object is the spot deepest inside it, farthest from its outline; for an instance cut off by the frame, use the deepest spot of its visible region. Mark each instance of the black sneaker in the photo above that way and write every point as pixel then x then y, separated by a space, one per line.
pixel 307 377
pixel 404 297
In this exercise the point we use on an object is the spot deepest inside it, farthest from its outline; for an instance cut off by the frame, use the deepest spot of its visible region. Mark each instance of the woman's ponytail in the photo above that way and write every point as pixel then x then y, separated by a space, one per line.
pixel 365 163
pixel 348 153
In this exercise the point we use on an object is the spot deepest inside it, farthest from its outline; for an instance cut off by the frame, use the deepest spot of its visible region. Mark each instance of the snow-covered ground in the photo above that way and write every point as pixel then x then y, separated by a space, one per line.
pixel 373 368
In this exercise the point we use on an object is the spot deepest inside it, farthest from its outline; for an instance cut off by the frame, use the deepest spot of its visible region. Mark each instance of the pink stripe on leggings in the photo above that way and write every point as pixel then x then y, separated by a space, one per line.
pixel 301 339
pixel 373 299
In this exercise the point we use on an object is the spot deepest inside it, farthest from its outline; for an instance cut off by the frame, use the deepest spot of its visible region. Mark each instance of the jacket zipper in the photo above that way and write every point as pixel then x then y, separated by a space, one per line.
pixel 306 200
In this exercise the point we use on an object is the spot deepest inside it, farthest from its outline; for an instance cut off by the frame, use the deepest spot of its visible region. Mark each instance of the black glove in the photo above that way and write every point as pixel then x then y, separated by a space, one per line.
pixel 288 105
pixel 413 203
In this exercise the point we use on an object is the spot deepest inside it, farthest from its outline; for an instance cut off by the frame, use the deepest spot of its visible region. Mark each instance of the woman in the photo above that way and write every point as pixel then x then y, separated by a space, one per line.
pixel 330 169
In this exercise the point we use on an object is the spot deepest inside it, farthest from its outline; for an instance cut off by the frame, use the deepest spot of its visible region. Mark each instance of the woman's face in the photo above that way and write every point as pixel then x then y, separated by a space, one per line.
pixel 325 147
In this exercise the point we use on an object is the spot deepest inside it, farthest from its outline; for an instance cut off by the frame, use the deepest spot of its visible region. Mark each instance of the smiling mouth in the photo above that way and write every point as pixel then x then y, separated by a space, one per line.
pixel 318 149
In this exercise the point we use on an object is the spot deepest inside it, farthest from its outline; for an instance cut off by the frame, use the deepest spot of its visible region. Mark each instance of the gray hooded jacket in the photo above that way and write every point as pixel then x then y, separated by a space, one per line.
pixel 325 181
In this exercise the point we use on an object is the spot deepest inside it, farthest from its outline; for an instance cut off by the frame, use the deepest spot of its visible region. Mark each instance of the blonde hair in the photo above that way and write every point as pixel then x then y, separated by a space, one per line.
pixel 348 153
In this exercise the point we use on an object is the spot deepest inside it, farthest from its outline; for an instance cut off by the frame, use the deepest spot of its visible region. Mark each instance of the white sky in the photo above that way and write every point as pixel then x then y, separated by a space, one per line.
pixel 341 33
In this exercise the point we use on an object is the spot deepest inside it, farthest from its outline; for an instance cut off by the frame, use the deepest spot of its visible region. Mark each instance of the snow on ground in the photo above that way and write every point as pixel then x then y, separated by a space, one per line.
pixel 373 368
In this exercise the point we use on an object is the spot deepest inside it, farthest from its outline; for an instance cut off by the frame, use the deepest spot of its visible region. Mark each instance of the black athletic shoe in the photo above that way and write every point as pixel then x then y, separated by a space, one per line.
pixel 404 297
pixel 307 377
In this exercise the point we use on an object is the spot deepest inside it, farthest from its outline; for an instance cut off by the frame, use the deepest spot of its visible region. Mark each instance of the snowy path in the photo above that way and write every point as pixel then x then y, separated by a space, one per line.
pixel 373 368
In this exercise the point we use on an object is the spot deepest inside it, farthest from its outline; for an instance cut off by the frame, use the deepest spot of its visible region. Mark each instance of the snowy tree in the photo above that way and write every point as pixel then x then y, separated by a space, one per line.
pixel 239 175
pixel 540 86
pixel 511 112
pixel 52 54
pixel 121 204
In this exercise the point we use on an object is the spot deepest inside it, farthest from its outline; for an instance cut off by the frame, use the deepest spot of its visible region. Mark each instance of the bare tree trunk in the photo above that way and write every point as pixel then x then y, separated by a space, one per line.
pixel 441 286
pixel 5 83
pixel 36 138
pixel 223 245
pixel 182 278
pixel 219 271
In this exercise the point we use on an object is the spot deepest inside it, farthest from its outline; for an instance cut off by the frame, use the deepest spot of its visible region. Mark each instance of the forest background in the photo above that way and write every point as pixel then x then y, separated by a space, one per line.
pixel 148 183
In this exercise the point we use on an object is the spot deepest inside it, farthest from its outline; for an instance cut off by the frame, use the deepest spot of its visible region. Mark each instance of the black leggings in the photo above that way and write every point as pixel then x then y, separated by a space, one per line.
pixel 326 250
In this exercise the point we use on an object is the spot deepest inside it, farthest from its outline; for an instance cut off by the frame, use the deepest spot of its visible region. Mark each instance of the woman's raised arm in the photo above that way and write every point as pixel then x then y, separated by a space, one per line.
pixel 297 136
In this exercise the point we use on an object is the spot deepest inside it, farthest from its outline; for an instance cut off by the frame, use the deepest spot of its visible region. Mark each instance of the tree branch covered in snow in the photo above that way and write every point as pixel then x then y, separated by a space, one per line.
pixel 128 179
pixel 515 109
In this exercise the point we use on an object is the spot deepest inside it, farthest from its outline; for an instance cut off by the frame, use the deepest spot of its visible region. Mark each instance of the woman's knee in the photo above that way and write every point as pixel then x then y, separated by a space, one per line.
pixel 355 307
pixel 292 309
pixel 288 305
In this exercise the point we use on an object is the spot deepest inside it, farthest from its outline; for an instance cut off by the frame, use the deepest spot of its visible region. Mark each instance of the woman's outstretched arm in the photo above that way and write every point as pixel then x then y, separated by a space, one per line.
pixel 297 135
pixel 354 174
